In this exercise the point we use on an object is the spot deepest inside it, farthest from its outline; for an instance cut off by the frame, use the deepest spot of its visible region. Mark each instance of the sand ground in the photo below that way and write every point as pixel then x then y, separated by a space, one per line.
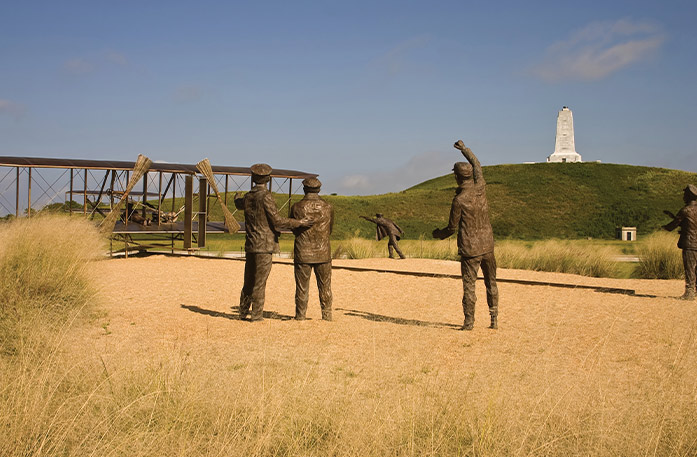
pixel 393 329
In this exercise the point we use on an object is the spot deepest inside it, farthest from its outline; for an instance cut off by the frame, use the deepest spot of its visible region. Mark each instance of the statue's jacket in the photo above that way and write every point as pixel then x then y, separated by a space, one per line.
pixel 262 220
pixel 686 219
pixel 312 243
pixel 469 217
pixel 385 228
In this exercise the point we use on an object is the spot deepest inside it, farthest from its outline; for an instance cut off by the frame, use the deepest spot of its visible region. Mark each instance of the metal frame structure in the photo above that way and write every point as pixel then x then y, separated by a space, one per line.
pixel 91 188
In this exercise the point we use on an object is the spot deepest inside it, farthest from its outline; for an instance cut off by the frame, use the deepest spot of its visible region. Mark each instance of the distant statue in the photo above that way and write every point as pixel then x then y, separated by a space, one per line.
pixel 469 217
pixel 132 215
pixel 387 228
pixel 686 219
pixel 312 250
pixel 262 225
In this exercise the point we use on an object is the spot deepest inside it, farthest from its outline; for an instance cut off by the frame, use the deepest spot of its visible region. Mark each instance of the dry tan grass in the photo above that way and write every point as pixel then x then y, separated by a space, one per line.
pixel 558 256
pixel 170 371
pixel 660 257
pixel 562 256
pixel 44 277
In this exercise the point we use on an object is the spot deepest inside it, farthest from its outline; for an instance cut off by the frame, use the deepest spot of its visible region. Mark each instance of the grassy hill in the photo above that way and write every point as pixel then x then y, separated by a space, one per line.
pixel 531 201
pixel 527 201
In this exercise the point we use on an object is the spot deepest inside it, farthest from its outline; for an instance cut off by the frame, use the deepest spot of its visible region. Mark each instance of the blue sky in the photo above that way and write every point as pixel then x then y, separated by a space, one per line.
pixel 370 95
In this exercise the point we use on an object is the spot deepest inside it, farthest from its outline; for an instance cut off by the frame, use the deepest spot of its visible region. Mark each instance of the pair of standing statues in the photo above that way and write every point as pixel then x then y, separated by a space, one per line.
pixel 312 219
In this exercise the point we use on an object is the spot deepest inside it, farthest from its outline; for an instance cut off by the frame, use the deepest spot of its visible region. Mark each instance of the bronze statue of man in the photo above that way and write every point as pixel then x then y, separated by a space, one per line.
pixel 387 228
pixel 262 225
pixel 469 217
pixel 312 250
pixel 686 219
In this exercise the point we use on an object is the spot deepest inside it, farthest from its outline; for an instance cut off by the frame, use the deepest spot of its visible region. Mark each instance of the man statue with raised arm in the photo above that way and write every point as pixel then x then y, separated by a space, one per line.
pixel 469 217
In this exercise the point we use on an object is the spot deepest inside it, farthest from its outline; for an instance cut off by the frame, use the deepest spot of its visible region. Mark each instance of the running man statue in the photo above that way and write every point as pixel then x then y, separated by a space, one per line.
pixel 387 228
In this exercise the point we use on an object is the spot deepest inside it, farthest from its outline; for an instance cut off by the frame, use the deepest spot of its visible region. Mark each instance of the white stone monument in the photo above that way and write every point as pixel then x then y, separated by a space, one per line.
pixel 564 147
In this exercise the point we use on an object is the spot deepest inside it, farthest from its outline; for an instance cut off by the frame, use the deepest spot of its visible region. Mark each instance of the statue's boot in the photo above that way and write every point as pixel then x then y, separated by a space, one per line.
pixel 469 322
pixel 326 314
pixel 257 313
pixel 300 311
pixel 494 322
pixel 245 304
pixel 399 252
pixel 688 295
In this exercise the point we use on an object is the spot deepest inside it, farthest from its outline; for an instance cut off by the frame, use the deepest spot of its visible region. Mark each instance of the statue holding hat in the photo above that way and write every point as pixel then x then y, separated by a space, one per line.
pixel 686 219
pixel 469 218
pixel 312 250
pixel 386 228
pixel 262 225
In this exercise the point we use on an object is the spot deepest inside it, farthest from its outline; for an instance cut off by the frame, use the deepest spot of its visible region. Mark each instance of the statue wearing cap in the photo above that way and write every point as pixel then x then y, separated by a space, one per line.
pixel 262 226
pixel 469 217
pixel 686 219
pixel 312 250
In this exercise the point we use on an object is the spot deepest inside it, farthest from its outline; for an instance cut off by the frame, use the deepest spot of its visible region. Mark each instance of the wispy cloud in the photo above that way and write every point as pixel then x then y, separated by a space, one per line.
pixel 397 59
pixel 117 58
pixel 78 66
pixel 11 109
pixel 418 169
pixel 188 93
pixel 598 50
pixel 86 65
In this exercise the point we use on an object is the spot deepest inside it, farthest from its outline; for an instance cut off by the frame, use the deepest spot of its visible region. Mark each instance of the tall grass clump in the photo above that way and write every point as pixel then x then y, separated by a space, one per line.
pixel 557 256
pixel 431 249
pixel 552 255
pixel 44 277
pixel 659 257
pixel 359 248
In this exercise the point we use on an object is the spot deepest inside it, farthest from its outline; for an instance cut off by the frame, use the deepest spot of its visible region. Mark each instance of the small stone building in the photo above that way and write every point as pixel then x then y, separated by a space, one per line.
pixel 626 233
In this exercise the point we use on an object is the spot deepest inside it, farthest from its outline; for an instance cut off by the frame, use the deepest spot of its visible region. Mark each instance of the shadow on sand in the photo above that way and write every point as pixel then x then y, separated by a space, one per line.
pixel 234 316
pixel 347 312
pixel 396 320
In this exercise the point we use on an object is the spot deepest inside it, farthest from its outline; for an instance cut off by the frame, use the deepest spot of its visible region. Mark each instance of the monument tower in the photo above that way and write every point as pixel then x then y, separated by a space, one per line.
pixel 564 147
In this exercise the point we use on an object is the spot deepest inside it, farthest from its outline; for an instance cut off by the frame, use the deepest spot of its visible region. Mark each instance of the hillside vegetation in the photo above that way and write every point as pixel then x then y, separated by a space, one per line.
pixel 533 201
